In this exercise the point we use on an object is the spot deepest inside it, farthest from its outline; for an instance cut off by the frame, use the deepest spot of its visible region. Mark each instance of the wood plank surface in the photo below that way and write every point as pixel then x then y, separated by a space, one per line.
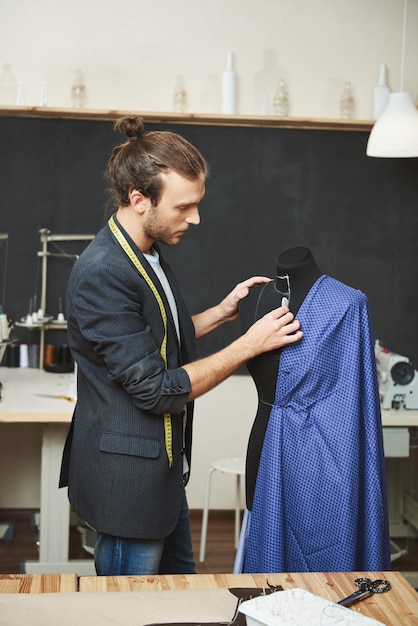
pixel 38 583
pixel 272 121
pixel 397 606
pixel 172 582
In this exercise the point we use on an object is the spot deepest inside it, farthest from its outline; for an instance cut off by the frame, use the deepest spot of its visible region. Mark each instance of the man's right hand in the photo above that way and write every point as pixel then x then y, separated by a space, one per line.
pixel 274 330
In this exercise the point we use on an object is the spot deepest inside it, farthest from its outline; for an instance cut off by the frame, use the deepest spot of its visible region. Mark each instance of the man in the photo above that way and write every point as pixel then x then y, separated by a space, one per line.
pixel 127 456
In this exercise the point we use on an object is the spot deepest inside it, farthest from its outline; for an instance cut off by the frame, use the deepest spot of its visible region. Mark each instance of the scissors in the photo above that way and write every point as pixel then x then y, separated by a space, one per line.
pixel 58 397
pixel 366 587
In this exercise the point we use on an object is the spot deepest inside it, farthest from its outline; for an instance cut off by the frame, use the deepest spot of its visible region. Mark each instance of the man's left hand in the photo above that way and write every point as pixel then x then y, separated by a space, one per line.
pixel 229 306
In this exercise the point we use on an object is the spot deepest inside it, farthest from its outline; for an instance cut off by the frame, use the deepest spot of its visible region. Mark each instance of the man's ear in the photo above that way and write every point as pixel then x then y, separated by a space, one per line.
pixel 138 201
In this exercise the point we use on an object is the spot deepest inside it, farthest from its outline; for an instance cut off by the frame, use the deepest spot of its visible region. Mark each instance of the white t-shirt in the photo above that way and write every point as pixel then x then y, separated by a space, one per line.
pixel 154 261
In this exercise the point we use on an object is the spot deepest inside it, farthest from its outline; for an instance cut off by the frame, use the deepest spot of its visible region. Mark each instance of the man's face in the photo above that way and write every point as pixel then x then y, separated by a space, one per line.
pixel 177 210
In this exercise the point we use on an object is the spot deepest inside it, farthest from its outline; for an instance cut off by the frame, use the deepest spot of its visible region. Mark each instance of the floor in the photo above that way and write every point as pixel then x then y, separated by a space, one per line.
pixel 220 549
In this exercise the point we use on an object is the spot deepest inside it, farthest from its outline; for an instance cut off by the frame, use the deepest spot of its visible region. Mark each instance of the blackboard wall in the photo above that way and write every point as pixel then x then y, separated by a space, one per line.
pixel 269 189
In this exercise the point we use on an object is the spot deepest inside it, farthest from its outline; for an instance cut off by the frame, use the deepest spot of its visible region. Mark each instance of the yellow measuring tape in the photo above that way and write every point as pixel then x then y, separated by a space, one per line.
pixel 163 350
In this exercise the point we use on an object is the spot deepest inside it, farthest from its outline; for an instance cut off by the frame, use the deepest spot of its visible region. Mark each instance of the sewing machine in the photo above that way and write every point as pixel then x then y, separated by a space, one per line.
pixel 398 381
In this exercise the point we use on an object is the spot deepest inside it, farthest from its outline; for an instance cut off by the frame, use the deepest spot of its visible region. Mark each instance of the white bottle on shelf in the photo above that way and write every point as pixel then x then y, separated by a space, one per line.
pixel 281 99
pixel 78 90
pixel 20 98
pixel 229 87
pixel 381 94
pixel 347 102
pixel 180 95
pixel 43 95
pixel 8 86
pixel 265 106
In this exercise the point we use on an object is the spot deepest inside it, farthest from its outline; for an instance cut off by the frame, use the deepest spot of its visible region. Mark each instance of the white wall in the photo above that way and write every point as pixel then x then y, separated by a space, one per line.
pixel 222 424
pixel 131 50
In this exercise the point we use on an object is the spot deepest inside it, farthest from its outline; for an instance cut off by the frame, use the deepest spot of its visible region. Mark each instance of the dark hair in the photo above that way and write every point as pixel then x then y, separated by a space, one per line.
pixel 138 162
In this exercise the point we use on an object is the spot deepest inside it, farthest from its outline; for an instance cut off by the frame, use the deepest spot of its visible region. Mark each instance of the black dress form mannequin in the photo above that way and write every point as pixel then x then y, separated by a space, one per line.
pixel 296 272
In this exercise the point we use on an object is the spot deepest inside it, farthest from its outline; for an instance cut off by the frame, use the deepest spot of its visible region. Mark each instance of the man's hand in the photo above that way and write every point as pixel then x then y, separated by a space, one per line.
pixel 229 306
pixel 274 330
pixel 228 309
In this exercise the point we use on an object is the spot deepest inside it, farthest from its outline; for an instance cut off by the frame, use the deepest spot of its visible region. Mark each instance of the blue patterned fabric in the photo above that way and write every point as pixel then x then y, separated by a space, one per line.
pixel 320 499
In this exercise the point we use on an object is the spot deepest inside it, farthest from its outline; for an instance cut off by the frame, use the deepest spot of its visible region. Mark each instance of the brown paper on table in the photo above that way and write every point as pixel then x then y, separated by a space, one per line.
pixel 135 608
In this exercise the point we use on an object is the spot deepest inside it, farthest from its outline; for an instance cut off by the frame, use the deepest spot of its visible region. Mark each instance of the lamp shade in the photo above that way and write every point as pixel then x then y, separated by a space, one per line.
pixel 395 134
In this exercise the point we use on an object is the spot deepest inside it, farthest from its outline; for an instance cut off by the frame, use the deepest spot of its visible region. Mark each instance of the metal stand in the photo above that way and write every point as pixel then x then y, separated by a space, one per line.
pixel 46 238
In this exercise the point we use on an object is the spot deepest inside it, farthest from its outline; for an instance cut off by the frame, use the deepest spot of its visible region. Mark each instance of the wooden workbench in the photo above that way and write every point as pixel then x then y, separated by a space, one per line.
pixel 397 606
pixel 38 583
pixel 140 600
pixel 22 402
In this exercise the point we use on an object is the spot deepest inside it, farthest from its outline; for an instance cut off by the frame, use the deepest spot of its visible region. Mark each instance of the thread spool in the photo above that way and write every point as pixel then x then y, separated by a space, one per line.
pixel 49 354
pixel 34 355
pixel 4 327
pixel 24 355
pixel 64 354
pixel 13 355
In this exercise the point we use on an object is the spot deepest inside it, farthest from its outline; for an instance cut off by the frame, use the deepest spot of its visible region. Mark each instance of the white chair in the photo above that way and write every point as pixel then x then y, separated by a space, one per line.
pixel 233 465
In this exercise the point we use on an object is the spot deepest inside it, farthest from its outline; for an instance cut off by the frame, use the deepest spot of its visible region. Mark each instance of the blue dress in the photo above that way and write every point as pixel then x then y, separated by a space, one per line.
pixel 320 500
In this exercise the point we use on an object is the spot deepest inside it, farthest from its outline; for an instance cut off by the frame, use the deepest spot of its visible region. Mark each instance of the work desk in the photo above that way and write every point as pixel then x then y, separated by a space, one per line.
pixel 38 583
pixel 194 598
pixel 397 606
pixel 21 402
pixel 400 419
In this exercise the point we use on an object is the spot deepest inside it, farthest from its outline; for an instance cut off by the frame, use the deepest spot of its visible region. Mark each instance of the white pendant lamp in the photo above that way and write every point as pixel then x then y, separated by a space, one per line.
pixel 395 134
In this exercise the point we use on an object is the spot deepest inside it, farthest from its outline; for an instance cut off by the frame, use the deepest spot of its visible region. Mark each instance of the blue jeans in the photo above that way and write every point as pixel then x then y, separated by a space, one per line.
pixel 118 556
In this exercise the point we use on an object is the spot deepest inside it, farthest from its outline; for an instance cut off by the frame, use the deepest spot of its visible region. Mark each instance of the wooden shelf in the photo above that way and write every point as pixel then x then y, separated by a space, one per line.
pixel 207 119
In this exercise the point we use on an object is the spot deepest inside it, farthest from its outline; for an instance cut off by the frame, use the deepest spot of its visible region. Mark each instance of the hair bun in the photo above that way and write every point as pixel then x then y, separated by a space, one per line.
pixel 132 126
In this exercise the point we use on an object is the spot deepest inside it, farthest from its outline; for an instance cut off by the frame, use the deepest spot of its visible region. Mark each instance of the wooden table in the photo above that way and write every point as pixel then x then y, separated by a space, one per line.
pixel 22 402
pixel 399 419
pixel 38 604
pixel 397 606
pixel 38 583
pixel 397 426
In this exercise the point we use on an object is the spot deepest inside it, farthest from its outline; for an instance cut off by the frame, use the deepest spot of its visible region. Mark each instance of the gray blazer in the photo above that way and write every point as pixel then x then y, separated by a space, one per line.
pixel 115 462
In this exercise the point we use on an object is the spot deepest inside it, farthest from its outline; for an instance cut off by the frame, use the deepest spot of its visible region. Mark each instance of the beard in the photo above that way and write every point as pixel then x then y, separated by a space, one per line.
pixel 156 230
